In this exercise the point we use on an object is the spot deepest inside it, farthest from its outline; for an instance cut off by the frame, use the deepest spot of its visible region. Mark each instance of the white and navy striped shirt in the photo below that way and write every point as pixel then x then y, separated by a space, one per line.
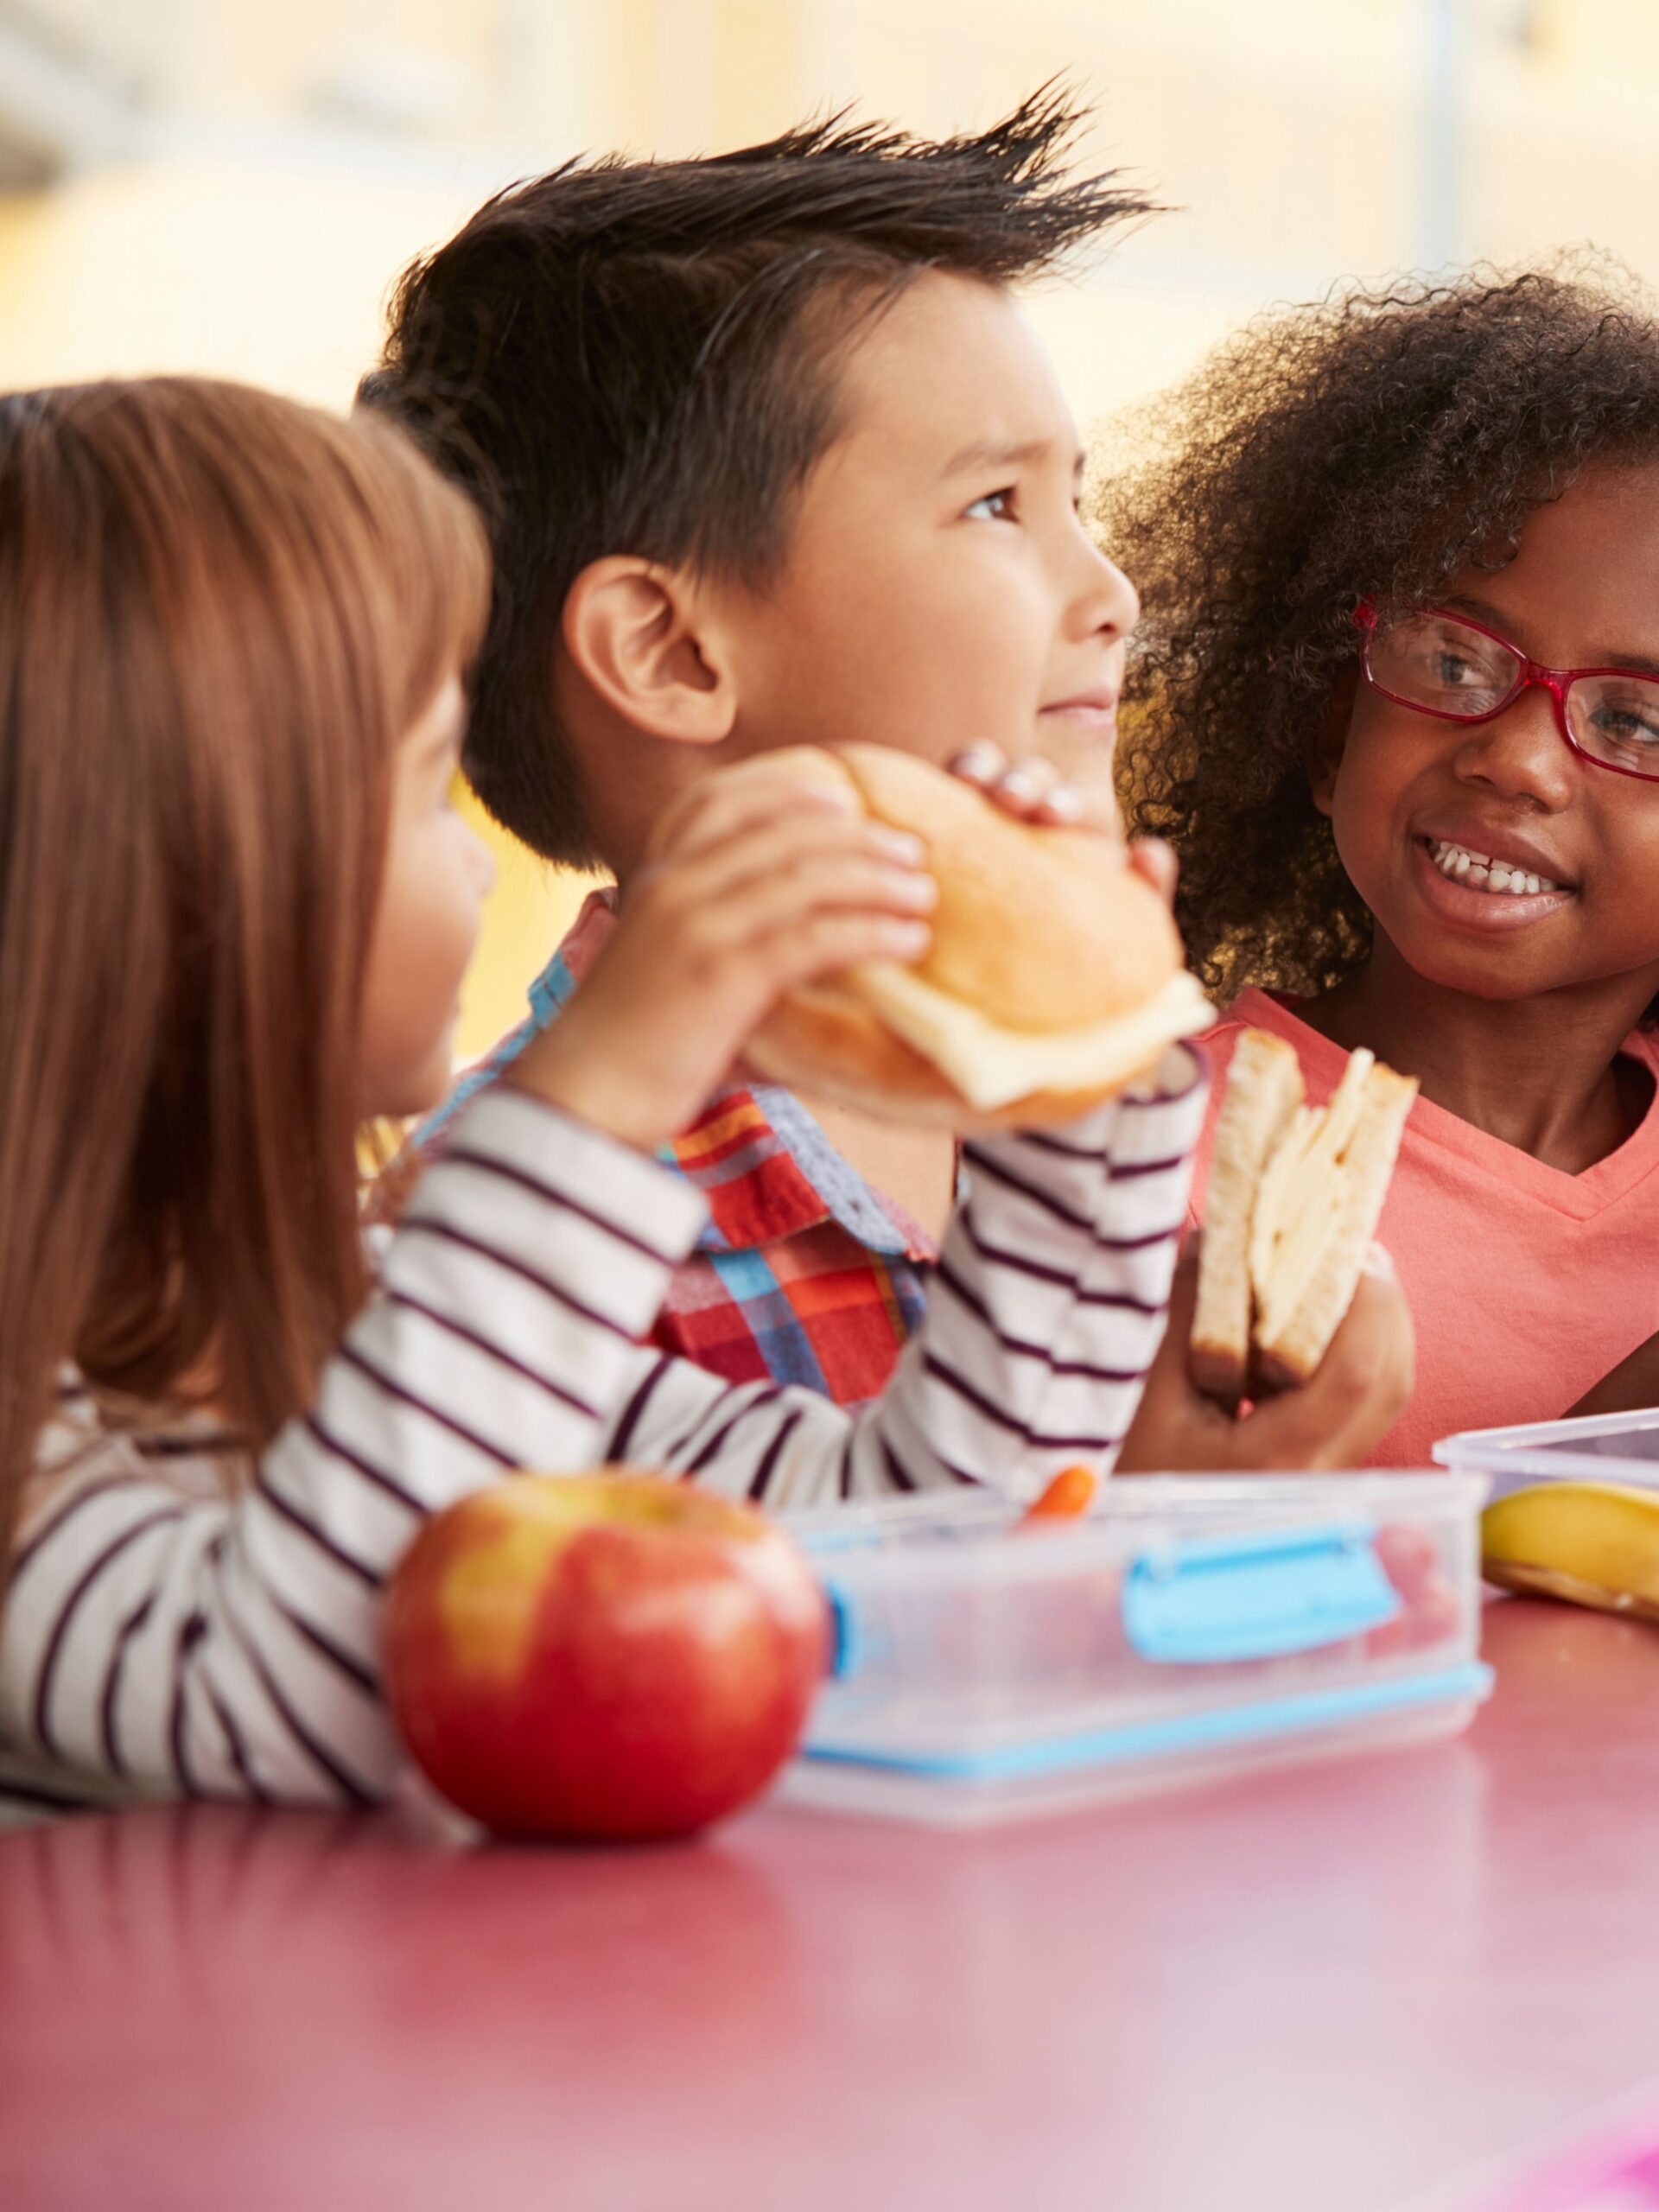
pixel 182 1620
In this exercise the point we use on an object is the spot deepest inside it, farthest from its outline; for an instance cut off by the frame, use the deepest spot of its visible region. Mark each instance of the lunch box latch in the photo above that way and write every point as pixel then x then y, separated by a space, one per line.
pixel 1218 1598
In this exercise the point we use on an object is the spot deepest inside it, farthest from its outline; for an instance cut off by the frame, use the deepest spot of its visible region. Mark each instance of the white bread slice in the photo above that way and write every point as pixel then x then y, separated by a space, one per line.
pixel 1295 1195
pixel 1264 1089
pixel 1300 1195
pixel 1298 1334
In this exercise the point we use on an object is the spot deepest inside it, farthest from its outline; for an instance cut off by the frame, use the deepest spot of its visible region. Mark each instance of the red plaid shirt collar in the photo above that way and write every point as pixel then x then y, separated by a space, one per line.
pixel 764 1166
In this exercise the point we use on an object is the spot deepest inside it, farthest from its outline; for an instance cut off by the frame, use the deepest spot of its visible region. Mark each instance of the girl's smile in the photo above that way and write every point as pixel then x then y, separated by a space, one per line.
pixel 1476 905
pixel 1477 878
pixel 1505 875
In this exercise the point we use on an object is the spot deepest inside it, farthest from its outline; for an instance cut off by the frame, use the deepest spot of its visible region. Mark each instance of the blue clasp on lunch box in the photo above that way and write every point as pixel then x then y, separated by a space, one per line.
pixel 1221 1598
pixel 845 1642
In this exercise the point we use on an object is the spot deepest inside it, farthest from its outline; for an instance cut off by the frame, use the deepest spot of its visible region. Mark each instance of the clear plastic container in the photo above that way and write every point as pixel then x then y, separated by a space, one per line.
pixel 1186 1627
pixel 1600 1448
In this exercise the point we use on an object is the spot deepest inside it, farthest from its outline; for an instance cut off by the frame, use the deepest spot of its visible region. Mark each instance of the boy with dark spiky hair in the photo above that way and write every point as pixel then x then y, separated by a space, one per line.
pixel 645 364
pixel 771 458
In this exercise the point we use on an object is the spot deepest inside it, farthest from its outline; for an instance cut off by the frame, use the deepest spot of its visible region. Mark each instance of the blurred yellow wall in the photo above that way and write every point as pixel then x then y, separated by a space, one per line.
pixel 277 277
pixel 1291 138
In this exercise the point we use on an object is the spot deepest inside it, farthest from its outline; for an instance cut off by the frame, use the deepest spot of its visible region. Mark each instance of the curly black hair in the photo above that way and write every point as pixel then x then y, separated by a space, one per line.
pixel 1371 445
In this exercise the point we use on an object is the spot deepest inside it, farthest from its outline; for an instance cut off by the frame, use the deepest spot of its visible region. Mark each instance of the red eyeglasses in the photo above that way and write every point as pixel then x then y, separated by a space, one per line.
pixel 1460 671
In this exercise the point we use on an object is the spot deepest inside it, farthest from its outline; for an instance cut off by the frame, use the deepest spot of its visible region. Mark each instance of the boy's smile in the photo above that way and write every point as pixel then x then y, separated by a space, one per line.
pixel 938 586
pixel 1494 859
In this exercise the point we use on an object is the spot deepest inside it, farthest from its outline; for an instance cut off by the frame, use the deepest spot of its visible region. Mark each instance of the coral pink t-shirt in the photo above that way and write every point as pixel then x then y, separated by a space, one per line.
pixel 1526 1284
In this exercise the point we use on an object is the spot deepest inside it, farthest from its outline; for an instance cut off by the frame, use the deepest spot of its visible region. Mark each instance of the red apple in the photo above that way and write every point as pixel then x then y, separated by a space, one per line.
pixel 607 1656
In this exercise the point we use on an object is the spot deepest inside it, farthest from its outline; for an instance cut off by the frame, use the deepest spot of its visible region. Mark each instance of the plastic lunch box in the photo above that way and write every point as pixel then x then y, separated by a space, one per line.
pixel 1603 1447
pixel 1187 1627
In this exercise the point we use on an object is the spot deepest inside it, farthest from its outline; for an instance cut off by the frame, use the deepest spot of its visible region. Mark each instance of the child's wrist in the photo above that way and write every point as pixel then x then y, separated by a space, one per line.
pixel 589 1086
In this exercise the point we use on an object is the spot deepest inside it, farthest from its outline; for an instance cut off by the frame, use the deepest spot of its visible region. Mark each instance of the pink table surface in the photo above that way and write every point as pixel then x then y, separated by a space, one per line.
pixel 1323 1990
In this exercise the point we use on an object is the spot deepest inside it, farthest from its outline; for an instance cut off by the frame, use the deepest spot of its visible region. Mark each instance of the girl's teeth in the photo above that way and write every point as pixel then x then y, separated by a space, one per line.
pixel 1482 873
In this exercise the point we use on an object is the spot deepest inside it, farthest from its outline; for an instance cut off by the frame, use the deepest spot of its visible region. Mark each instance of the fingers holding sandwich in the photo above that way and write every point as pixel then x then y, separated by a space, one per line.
pixel 1033 789
pixel 1052 978
pixel 1356 1394
pixel 1370 1369
pixel 755 893
pixel 1334 1419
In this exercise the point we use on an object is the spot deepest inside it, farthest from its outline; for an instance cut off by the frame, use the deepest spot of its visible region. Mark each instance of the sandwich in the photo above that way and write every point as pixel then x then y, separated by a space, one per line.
pixel 1053 979
pixel 1294 1198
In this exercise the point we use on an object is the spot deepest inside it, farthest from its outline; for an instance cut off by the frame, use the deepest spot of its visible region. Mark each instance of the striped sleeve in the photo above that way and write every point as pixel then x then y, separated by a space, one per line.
pixel 1045 1311
pixel 164 1635
pixel 192 1625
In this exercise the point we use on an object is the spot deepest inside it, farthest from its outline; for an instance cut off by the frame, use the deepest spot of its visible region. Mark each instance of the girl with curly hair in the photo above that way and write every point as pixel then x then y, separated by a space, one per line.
pixel 1395 703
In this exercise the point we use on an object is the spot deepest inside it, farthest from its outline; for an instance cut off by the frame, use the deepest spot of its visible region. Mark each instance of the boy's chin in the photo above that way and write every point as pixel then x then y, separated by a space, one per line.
pixel 1084 755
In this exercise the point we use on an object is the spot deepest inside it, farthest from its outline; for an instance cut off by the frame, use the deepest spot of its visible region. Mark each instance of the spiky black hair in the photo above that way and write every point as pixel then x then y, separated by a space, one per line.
pixel 619 358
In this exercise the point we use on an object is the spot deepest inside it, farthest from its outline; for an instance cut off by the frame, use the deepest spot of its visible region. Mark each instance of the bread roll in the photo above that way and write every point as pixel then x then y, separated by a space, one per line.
pixel 1054 980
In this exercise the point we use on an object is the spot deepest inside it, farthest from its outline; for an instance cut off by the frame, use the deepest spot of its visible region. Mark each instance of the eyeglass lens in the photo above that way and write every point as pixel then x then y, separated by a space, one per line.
pixel 1436 663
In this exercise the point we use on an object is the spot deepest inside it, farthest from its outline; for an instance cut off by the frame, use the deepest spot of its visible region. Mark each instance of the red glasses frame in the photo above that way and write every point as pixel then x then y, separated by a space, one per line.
pixel 1531 674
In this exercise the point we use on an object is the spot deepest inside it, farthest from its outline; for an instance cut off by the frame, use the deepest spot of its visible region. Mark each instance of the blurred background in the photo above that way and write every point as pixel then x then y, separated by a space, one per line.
pixel 228 186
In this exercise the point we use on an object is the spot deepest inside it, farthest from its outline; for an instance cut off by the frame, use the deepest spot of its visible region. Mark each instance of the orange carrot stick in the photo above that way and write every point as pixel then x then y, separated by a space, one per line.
pixel 1068 1494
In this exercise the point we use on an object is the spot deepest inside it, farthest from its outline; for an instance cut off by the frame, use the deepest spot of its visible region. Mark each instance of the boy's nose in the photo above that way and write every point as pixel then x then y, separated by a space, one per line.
pixel 1108 601
pixel 1519 754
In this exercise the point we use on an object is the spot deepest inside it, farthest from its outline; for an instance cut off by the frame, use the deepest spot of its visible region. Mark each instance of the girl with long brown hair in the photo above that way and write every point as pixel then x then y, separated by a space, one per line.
pixel 235 908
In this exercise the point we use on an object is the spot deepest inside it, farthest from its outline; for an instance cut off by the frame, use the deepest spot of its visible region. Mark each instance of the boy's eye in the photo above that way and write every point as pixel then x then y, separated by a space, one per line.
pixel 995 506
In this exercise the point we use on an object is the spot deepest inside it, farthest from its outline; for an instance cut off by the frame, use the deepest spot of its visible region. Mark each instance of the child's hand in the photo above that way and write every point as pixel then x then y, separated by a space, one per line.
pixel 760 884
pixel 1337 1420
pixel 1031 790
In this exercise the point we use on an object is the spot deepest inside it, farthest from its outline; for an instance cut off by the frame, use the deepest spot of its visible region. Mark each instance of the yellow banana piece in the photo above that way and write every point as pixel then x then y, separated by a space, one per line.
pixel 1590 1543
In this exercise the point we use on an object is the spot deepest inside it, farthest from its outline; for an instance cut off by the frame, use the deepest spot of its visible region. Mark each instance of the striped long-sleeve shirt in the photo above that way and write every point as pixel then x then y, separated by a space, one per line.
pixel 184 1619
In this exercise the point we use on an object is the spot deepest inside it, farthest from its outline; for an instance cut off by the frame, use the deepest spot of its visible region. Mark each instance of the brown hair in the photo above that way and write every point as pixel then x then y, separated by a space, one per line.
pixel 220 612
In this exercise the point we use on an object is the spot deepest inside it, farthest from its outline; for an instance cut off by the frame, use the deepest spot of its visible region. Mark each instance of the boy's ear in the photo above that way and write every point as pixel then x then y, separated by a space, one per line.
pixel 636 633
pixel 1323 756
